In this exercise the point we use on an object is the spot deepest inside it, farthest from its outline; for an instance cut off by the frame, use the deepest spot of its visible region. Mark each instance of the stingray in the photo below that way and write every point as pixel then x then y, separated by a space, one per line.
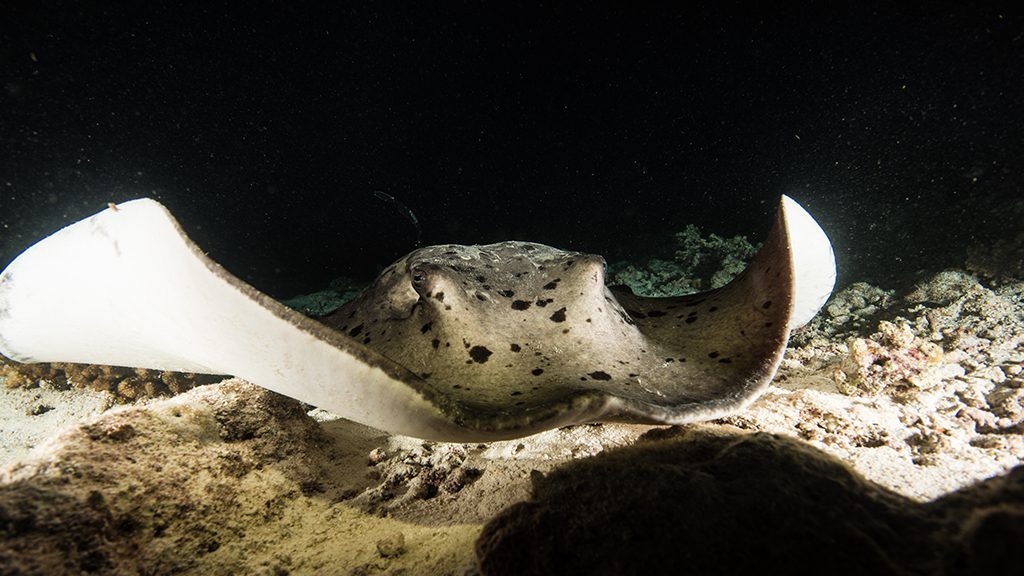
pixel 458 343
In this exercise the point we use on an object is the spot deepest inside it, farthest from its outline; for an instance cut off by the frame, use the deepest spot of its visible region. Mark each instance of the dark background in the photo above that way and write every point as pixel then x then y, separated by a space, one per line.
pixel 267 130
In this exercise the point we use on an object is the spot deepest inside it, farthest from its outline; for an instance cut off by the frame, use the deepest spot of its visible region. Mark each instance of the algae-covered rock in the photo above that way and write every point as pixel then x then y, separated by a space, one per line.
pixel 698 263
pixel 324 302
pixel 892 356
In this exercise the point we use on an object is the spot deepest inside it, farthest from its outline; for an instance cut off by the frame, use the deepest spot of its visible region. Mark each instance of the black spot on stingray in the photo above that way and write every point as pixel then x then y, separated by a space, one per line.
pixel 691 319
pixel 565 331
pixel 725 361
pixel 506 293
pixel 516 393
pixel 520 403
pixel 588 319
pixel 435 343
pixel 457 387
pixel 520 305
pixel 481 279
pixel 767 304
pixel 712 309
pixel 447 344
pixel 447 307
pixel 768 324
pixel 515 347
pixel 537 371
pixel 655 313
pixel 636 314
pixel 599 375
pixel 559 316
pixel 366 340
pixel 426 327
pixel 681 359
pixel 479 354
pixel 713 354
pixel 670 359
pixel 480 296
pixel 633 375
pixel 553 284
pixel 439 296
pixel 425 375
pixel 355 331
pixel 542 302
pixel 538 353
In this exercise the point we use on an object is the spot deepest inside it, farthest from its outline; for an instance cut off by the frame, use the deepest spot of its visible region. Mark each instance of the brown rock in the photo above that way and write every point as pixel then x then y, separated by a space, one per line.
pixel 713 503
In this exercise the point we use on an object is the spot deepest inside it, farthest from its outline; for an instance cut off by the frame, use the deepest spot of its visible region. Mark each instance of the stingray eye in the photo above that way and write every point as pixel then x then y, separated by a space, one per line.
pixel 418 275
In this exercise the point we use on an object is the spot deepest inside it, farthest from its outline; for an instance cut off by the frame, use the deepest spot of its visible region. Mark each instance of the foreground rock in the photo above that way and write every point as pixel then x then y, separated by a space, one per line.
pixel 225 479
pixel 719 503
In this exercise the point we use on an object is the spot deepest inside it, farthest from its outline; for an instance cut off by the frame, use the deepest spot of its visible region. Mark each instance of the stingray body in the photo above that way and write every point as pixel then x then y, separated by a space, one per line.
pixel 526 325
pixel 451 342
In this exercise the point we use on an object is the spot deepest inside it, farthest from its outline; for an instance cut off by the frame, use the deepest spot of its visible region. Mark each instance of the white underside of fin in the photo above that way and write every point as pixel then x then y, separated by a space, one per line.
pixel 127 288
pixel 814 263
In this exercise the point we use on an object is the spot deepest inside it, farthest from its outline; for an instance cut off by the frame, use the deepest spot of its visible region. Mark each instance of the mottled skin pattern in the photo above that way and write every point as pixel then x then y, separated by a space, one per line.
pixel 518 325
pixel 457 343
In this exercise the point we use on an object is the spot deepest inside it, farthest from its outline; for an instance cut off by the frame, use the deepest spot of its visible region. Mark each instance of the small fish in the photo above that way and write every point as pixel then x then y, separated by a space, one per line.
pixel 405 211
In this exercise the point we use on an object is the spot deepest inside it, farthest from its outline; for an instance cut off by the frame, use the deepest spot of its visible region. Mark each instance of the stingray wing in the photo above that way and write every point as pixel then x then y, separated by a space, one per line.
pixel 725 345
pixel 127 287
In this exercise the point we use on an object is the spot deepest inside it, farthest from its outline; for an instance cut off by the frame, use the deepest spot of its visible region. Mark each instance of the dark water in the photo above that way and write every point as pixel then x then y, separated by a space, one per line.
pixel 267 131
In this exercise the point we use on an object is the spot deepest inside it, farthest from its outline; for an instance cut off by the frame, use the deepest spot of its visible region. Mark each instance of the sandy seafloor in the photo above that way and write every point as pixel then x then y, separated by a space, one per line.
pixel 921 392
